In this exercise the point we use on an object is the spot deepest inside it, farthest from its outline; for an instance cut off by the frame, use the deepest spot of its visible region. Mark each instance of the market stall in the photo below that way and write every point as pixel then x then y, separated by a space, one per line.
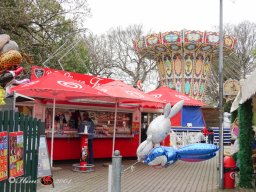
pixel 189 118
pixel 190 115
pixel 69 112
pixel 244 108
pixel 66 123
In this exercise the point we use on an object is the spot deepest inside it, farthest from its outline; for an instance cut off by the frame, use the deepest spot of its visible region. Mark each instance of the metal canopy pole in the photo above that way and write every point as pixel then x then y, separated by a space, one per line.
pixel 221 151
pixel 114 133
pixel 53 128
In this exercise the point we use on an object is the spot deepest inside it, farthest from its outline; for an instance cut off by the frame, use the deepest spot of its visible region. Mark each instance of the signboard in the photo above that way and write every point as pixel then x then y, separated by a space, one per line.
pixel 231 87
pixel 3 155
pixel 16 154
pixel 90 80
pixel 44 168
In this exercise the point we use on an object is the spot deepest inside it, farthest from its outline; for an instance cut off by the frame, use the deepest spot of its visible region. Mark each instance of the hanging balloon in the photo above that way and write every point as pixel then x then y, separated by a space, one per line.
pixel 11 45
pixel 4 38
pixel 196 158
pixel 9 59
pixel 198 149
pixel 161 156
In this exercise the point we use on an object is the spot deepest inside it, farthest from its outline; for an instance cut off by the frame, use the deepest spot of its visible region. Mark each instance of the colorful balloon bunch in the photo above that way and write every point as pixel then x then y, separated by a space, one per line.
pixel 10 61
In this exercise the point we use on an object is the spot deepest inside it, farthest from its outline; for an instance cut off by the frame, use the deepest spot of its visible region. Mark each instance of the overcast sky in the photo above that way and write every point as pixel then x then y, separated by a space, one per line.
pixel 167 15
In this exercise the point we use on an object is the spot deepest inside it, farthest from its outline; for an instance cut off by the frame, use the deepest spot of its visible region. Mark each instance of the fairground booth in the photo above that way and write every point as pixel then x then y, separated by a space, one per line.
pixel 68 112
pixel 188 119
pixel 243 110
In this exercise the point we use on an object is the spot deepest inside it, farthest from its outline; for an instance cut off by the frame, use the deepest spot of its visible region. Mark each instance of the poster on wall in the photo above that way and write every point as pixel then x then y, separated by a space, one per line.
pixel 3 155
pixel 16 154
pixel 44 168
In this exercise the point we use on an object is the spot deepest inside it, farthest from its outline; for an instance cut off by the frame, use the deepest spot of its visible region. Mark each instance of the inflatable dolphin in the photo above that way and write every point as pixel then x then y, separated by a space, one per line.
pixel 158 129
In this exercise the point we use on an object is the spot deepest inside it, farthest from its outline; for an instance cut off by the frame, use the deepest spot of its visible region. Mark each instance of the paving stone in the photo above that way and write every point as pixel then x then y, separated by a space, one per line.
pixel 179 177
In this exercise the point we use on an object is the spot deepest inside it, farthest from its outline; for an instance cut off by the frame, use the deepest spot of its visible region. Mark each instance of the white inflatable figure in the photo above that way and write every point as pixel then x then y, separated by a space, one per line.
pixel 226 120
pixel 174 139
pixel 144 148
pixel 158 129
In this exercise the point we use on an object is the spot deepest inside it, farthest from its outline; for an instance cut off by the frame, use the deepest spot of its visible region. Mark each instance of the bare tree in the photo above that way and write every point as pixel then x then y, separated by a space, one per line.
pixel 246 44
pixel 240 63
pixel 100 56
pixel 115 50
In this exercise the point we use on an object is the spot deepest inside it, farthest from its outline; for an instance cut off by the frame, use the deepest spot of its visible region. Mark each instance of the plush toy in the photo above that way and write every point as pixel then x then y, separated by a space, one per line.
pixel 10 61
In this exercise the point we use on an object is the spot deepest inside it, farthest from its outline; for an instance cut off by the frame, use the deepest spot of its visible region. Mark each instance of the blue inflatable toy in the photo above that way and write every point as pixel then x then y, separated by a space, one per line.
pixel 163 156
pixel 152 154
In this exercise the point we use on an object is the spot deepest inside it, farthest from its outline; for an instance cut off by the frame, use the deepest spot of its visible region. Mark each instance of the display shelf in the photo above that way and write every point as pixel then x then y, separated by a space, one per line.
pixel 117 136
pixel 104 124
pixel 67 123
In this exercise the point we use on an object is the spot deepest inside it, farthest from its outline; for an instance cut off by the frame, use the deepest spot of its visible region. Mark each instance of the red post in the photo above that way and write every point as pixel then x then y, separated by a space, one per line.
pixel 229 172
pixel 166 141
pixel 84 151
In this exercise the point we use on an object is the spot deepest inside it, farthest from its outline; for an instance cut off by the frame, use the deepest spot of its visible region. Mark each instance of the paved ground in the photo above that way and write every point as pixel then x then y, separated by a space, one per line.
pixel 180 177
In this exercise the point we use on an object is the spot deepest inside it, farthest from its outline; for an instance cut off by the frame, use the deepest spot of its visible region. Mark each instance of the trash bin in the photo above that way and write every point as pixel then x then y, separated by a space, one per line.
pixel 229 172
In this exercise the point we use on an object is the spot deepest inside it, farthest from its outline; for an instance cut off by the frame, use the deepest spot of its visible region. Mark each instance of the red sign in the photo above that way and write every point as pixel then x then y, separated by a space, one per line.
pixel 3 156
pixel 16 154
pixel 90 80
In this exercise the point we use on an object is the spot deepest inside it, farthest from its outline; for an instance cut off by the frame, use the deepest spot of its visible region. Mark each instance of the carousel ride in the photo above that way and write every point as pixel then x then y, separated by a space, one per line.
pixel 184 58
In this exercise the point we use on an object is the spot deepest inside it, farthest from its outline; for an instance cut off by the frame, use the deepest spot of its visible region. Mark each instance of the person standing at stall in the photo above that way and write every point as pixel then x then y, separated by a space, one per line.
pixel 87 123
pixel 210 135
pixel 206 133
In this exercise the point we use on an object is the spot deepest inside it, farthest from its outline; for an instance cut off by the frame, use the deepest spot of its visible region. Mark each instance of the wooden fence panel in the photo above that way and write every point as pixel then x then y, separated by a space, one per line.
pixel 13 122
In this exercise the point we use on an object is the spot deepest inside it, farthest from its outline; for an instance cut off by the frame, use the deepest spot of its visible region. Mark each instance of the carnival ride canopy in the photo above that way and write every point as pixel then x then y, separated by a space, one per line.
pixel 184 58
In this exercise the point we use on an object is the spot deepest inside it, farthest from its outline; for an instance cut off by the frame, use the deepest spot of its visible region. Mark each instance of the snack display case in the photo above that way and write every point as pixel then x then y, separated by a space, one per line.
pixel 67 121
pixel 65 125
pixel 104 123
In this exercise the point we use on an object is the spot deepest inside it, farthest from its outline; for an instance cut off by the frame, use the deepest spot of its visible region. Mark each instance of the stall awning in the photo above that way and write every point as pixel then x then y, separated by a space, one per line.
pixel 169 95
pixel 247 90
pixel 192 115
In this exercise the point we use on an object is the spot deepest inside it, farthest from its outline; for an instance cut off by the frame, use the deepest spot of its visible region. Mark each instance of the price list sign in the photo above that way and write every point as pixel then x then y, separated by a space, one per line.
pixel 16 154
pixel 3 156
